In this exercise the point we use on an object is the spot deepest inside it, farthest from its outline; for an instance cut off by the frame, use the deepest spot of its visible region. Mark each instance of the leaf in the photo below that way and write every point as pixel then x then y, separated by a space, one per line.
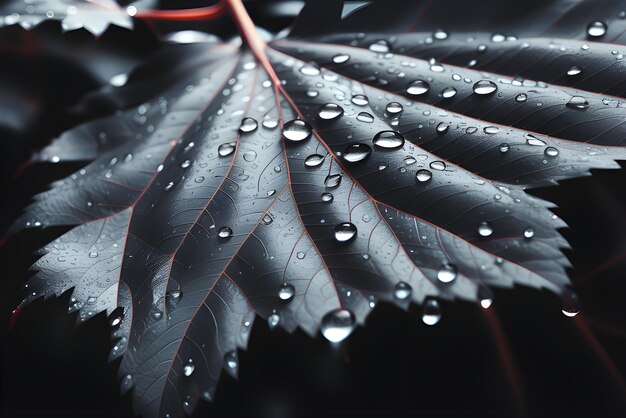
pixel 325 174
pixel 94 16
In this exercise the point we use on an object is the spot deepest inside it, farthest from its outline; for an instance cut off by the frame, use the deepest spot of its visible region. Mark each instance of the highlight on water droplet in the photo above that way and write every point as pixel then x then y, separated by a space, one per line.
pixel 337 325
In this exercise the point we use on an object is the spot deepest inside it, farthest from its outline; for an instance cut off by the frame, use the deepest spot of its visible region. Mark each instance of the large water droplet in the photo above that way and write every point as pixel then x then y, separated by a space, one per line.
pixel 360 100
pixel 314 160
pixel 286 292
pixel 485 87
pixel 577 102
pixel 423 175
pixel 341 58
pixel 388 139
pixel 402 290
pixel 248 125
pixel 365 117
pixel 551 152
pixel 448 92
pixel 447 273
pixel 226 149
pixel 596 29
pixel 432 312
pixel 337 325
pixel 330 111
pixel 296 130
pixel 345 232
pixel 417 88
pixel 438 165
pixel 356 152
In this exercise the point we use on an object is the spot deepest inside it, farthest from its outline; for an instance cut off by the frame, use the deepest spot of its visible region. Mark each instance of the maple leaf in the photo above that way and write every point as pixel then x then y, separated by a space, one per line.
pixel 306 179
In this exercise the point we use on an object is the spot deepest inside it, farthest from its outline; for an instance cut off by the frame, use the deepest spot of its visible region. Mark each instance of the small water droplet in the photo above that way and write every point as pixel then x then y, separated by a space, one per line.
pixel 533 140
pixel 332 180
pixel 388 139
pixel 402 290
pixel 355 153
pixel 225 232
pixel 314 160
pixel 330 111
pixel 551 152
pixel 529 233
pixel 442 128
pixel 440 34
pixel 380 47
pixel 360 100
pixel 447 273
pixel 485 87
pixel 337 325
pixel 438 165
pixel 296 130
pixel 310 69
pixel 273 320
pixel 189 368
pixel 574 70
pixel 345 232
pixel 172 297
pixel 485 296
pixel 417 88
pixel 432 312
pixel 231 361
pixel 571 303
pixel 596 29
pixel 491 130
pixel 485 229
pixel 393 109
pixel 341 58
pixel 520 98
pixel 448 92
pixel 365 117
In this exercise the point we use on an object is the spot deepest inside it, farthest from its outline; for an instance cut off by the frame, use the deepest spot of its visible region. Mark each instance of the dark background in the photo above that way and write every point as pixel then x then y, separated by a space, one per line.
pixel 521 358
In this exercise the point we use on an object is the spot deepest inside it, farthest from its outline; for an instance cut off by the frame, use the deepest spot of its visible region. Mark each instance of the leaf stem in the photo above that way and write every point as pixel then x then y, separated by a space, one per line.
pixel 251 37
pixel 182 14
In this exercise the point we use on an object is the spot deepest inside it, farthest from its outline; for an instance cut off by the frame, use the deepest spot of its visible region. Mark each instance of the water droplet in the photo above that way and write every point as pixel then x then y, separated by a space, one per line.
pixel 296 130
pixel 185 164
pixel 314 160
pixel 432 312
pixel 248 125
pixel 169 186
pixel 231 361
pixel 341 58
pixel 448 92
pixel 380 47
pixel 402 290
pixel 551 152
pixel 575 70
pixel 172 297
pixel 330 111
pixel 273 320
pixel 417 88
pixel 337 325
pixel 360 100
pixel 388 139
pixel 286 292
pixel 485 296
pixel 327 197
pixel 332 180
pixel 596 29
pixel 423 175
pixel 345 231
pixel 485 229
pixel 447 273
pixel 365 117
pixel 189 368
pixel 356 152
pixel 485 87
pixel 529 233
pixel 310 69
pixel 533 140
pixel 491 130
pixel 93 254
pixel 442 128
pixel 127 383
pixel 226 149
pixel 571 303
pixel 267 219
pixel 393 109
pixel 225 232
pixel 578 102
pixel 438 165
pixel 440 34
pixel 522 97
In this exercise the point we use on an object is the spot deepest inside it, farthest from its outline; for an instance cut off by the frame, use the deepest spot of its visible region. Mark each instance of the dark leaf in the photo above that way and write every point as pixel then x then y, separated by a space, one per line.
pixel 335 172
